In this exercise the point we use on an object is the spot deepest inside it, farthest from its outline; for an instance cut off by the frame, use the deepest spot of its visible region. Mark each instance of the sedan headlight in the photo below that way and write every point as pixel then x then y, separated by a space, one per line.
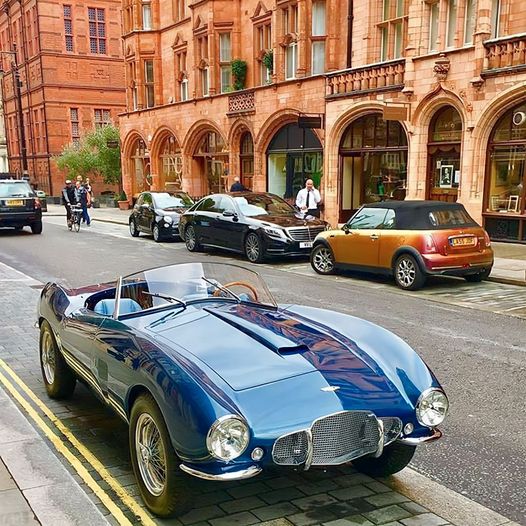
pixel 432 407
pixel 228 438
pixel 274 232
pixel 168 219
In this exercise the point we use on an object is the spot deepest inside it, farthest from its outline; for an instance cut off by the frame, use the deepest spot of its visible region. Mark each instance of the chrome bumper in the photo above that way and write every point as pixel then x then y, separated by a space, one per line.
pixel 250 472
pixel 421 440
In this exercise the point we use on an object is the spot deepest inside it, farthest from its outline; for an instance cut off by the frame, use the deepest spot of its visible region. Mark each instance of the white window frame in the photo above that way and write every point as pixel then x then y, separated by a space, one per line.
pixel 293 48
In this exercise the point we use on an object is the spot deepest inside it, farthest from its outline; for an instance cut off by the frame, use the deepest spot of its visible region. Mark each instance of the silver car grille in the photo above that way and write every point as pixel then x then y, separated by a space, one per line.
pixel 306 233
pixel 334 439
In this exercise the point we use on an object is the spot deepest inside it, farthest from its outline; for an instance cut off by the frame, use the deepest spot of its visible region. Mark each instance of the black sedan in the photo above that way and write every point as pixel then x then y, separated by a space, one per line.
pixel 158 213
pixel 255 224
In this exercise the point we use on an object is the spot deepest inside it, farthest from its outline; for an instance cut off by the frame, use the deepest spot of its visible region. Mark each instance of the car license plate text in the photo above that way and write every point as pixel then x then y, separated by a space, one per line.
pixel 462 241
pixel 305 244
pixel 15 202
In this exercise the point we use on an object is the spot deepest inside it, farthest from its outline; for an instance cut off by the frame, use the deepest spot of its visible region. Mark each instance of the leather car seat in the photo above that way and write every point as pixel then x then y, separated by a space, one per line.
pixel 106 307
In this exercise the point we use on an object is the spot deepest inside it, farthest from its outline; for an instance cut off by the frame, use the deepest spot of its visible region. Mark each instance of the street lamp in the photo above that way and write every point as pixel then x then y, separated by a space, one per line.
pixel 17 84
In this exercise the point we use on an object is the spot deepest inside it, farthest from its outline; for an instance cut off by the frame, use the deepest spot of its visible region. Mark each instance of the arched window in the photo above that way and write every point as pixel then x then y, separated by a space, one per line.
pixel 212 157
pixel 444 148
pixel 171 163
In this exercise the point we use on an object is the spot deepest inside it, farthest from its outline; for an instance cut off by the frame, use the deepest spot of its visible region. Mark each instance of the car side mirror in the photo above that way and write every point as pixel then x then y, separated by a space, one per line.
pixel 229 213
pixel 346 228
pixel 145 206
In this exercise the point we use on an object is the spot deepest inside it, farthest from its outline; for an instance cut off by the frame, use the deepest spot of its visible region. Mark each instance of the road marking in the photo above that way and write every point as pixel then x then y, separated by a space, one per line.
pixel 119 490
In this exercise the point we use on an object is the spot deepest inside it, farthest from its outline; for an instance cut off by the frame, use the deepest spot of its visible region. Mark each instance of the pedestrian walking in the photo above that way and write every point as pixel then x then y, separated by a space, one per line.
pixel 237 186
pixel 87 184
pixel 83 200
pixel 69 199
pixel 308 199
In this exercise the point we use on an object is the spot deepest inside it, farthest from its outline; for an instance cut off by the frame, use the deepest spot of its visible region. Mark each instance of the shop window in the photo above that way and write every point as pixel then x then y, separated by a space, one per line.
pixel 393 29
pixel 172 163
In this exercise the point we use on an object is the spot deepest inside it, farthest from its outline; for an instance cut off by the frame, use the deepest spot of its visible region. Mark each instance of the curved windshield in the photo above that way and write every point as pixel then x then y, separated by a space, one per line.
pixel 184 283
pixel 166 200
pixel 15 189
pixel 263 204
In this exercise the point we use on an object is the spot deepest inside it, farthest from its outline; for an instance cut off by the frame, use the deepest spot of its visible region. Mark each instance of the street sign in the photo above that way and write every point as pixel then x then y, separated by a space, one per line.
pixel 395 113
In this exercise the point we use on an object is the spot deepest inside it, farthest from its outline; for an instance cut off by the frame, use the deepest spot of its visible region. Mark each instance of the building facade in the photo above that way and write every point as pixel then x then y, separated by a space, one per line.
pixel 4 166
pixel 419 99
pixel 64 74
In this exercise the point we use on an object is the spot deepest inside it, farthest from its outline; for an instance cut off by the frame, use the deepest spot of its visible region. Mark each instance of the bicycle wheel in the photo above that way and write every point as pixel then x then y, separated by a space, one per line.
pixel 76 224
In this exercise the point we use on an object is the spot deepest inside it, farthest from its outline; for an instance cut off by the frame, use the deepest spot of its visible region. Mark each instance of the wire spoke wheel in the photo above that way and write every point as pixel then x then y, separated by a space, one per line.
pixel 48 358
pixel 151 457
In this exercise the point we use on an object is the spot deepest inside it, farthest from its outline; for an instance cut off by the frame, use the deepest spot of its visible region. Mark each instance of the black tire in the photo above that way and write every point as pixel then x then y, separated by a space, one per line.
pixel 408 274
pixel 156 233
pixel 173 495
pixel 134 231
pixel 190 239
pixel 322 259
pixel 36 227
pixel 254 248
pixel 59 379
pixel 76 225
pixel 480 276
pixel 394 458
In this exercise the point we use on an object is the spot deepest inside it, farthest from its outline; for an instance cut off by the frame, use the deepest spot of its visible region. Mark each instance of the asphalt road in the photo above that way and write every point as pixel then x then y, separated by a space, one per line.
pixel 479 356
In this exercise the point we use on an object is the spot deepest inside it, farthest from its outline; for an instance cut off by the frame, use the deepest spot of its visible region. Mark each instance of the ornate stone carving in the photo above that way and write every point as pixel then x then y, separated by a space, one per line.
pixel 441 67
pixel 241 102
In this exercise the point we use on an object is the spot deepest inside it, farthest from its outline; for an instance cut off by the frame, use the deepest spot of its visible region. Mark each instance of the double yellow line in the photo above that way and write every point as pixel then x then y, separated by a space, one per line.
pixel 124 496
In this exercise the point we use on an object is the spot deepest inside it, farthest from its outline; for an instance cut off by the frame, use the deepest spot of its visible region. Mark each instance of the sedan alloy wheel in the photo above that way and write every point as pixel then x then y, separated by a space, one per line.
pixel 407 273
pixel 190 238
pixel 253 248
pixel 322 259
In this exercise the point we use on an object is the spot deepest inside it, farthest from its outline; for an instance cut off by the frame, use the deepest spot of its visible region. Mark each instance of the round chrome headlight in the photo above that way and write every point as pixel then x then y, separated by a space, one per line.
pixel 432 407
pixel 228 438
pixel 168 219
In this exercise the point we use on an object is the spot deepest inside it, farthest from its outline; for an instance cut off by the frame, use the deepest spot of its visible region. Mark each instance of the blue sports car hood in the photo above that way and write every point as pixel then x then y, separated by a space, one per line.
pixel 250 347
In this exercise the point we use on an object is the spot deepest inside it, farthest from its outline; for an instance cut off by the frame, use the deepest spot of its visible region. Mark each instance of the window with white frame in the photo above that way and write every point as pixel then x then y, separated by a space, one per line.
pixel 452 16
pixel 225 58
pixel 182 74
pixel 290 24
pixel 495 18
pixel 179 10
pixel 146 15
pixel 469 23
pixel 205 81
pixel 434 20
pixel 184 89
pixel 264 46
pixel 319 33
pixel 393 29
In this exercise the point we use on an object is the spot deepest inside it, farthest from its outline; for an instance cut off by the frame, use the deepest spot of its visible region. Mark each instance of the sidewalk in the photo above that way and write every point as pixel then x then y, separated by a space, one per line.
pixel 510 258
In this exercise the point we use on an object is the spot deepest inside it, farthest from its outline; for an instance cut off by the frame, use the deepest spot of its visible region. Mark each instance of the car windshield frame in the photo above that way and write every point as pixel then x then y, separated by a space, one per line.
pixel 160 196
pixel 190 283
pixel 246 204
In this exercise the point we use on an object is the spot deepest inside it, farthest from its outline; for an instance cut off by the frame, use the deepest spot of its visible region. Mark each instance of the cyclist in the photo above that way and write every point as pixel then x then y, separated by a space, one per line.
pixel 69 198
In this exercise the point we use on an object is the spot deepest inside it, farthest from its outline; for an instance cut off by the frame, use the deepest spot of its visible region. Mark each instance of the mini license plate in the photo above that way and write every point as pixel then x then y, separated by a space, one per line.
pixel 15 202
pixel 462 241
pixel 305 244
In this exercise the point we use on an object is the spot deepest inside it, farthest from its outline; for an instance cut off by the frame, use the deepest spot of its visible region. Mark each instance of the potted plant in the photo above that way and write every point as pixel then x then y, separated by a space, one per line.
pixel 239 73
pixel 268 61
pixel 122 201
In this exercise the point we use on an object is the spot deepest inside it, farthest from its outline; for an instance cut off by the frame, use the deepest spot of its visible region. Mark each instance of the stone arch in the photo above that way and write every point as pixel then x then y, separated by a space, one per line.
pixel 158 137
pixel 156 143
pixel 129 140
pixel 129 164
pixel 432 102
pixel 195 134
pixel 239 128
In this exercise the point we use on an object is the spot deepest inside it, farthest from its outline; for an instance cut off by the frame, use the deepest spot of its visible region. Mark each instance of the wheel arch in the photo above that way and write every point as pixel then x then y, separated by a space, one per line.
pixel 400 251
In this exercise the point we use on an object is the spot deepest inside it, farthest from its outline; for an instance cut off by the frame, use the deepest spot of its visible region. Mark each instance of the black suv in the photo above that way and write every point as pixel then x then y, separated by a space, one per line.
pixel 19 206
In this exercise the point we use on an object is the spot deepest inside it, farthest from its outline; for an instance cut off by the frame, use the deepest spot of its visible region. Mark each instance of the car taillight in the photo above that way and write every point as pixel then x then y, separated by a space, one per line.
pixel 37 204
pixel 429 245
pixel 487 240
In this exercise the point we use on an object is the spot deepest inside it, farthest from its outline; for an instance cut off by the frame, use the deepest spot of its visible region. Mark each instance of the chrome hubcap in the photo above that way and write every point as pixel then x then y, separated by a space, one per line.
pixel 150 455
pixel 132 228
pixel 252 248
pixel 156 233
pixel 190 238
pixel 406 272
pixel 48 358
pixel 323 260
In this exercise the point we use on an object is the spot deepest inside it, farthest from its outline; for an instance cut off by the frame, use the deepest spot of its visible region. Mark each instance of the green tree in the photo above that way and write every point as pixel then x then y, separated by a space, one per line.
pixel 98 152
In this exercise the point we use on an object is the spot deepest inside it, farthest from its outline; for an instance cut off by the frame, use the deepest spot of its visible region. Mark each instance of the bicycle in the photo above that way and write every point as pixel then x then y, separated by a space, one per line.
pixel 76 217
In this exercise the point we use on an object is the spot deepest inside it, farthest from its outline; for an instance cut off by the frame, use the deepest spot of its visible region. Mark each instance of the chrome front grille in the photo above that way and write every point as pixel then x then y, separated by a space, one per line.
pixel 334 439
pixel 392 429
pixel 305 233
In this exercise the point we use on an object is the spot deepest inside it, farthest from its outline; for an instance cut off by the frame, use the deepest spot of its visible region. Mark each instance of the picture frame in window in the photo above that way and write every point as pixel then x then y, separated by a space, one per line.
pixel 446 176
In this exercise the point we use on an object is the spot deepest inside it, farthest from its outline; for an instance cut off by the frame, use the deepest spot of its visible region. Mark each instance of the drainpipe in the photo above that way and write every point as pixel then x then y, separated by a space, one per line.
pixel 350 18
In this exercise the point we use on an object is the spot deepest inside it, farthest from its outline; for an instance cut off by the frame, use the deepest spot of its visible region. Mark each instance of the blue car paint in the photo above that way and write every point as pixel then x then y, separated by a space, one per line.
pixel 268 366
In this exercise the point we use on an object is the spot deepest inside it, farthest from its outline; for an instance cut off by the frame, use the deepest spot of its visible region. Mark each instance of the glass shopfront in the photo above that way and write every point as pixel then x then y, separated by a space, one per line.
pixel 373 163
pixel 505 196
pixel 212 156
pixel 294 155
pixel 171 164
pixel 140 167
pixel 444 145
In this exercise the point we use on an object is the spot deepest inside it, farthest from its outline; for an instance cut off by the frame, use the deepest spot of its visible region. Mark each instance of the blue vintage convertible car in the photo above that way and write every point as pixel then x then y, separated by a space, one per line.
pixel 219 382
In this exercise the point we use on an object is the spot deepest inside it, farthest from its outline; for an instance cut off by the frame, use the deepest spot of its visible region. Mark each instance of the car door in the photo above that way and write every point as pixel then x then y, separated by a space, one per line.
pixel 230 227
pixel 205 220
pixel 147 213
pixel 360 246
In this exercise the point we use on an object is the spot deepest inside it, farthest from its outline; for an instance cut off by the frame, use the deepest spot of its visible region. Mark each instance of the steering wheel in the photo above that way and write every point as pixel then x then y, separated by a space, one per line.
pixel 218 292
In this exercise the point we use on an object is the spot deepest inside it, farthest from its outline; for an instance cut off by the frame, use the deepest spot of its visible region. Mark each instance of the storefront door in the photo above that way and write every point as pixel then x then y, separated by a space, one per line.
pixel 444 174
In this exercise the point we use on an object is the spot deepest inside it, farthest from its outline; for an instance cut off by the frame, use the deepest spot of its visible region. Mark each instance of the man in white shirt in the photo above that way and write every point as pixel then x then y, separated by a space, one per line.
pixel 308 199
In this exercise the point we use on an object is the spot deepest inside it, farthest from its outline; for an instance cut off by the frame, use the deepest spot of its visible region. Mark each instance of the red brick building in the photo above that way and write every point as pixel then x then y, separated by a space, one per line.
pixel 68 56
pixel 419 99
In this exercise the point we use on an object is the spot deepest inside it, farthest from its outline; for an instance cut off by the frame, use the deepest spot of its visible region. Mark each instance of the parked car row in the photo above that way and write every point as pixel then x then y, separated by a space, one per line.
pixel 410 240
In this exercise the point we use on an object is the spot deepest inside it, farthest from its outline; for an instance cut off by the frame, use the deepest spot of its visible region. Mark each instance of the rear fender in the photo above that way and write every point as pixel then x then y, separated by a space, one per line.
pixel 409 250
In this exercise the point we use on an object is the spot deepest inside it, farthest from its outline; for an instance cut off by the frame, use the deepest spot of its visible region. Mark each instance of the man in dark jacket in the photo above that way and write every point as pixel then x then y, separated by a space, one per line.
pixel 237 186
pixel 82 198
pixel 69 198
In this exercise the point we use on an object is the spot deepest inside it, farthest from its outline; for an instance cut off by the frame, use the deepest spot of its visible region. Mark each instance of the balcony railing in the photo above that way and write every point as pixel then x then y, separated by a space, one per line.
pixel 505 54
pixel 241 102
pixel 375 77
